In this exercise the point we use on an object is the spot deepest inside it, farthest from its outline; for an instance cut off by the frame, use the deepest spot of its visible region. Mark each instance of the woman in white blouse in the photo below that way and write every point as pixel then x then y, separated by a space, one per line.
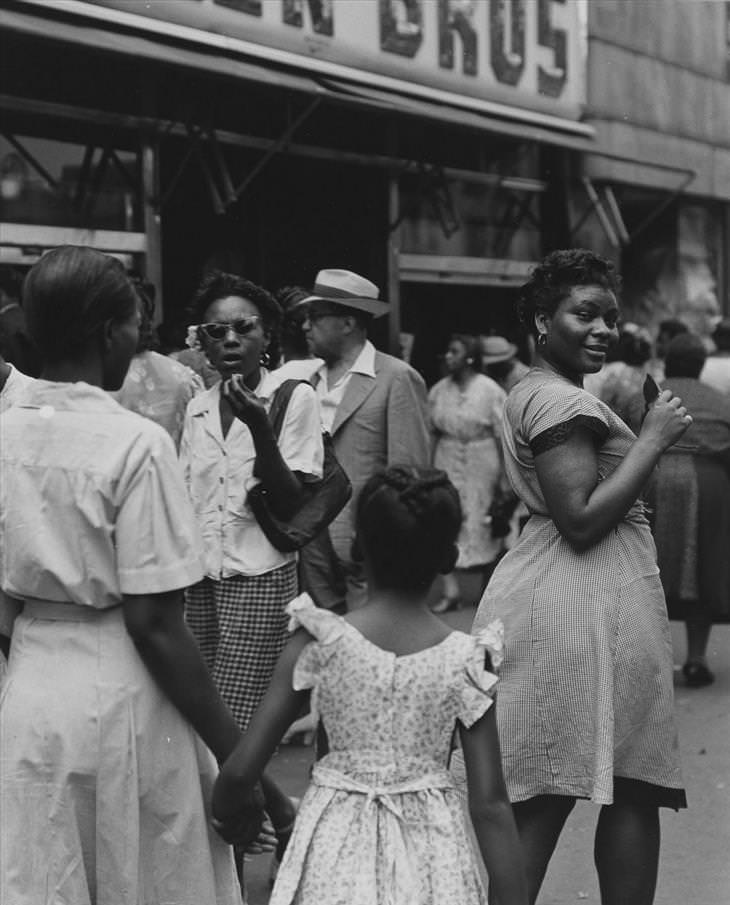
pixel 104 784
pixel 237 611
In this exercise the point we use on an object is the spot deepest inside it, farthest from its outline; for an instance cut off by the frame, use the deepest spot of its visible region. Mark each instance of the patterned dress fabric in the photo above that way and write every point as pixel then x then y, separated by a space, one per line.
pixel 159 388
pixel 240 626
pixel 382 821
pixel 586 689
pixel 468 421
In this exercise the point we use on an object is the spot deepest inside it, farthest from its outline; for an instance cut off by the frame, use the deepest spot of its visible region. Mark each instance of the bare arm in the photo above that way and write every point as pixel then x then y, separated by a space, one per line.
pixel 156 625
pixel 584 509
pixel 272 718
pixel 491 812
pixel 282 485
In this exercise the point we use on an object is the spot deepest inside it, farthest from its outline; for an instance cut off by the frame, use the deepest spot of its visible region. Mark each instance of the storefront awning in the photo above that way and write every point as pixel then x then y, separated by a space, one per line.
pixel 406 105
pixel 88 32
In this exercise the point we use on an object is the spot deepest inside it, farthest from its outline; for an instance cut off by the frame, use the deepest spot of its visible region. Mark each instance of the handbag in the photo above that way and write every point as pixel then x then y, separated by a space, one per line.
pixel 322 500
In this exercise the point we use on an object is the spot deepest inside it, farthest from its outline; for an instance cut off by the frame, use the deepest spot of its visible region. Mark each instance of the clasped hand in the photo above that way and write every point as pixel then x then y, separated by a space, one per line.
pixel 248 827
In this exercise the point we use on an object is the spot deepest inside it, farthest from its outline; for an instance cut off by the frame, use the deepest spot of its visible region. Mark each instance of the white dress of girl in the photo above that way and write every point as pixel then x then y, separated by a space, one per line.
pixel 382 821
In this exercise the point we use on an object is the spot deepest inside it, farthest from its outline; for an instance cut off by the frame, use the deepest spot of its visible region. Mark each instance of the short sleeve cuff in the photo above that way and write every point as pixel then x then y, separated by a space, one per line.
pixel 157 579
pixel 480 674
pixel 561 433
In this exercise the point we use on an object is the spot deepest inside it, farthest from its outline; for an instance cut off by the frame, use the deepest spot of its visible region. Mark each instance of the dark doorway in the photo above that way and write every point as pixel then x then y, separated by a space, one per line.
pixel 433 311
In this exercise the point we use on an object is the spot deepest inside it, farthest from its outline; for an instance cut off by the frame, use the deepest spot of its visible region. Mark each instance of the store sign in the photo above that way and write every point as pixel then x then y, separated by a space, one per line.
pixel 527 53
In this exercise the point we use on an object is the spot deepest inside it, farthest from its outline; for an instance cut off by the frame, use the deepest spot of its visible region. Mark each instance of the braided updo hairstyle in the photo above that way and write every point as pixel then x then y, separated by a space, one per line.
pixel 407 522
pixel 556 275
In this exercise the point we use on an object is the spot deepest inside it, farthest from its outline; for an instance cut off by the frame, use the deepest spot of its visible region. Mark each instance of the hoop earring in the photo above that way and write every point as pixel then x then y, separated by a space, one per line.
pixel 542 339
pixel 264 359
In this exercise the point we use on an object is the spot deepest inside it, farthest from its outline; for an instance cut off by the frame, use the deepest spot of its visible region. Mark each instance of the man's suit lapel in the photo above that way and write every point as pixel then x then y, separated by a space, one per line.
pixel 359 387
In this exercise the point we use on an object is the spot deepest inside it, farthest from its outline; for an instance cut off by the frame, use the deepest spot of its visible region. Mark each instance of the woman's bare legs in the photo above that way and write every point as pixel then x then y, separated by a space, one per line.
pixel 627 853
pixel 540 821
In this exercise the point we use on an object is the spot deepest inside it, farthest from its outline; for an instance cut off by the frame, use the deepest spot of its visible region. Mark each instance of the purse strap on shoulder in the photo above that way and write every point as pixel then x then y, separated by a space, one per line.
pixel 280 402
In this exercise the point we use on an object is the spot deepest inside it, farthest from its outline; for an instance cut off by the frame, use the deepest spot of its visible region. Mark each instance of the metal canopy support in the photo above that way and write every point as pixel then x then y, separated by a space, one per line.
pixel 608 210
pixel 169 128
pixel 281 144
pixel 29 158
pixel 203 144
pixel 595 206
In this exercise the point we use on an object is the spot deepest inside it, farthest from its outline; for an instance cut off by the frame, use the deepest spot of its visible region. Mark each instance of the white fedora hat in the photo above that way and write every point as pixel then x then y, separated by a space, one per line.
pixel 343 287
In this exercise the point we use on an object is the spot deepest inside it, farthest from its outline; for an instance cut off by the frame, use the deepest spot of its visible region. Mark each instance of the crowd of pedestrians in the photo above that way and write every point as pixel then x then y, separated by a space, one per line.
pixel 162 641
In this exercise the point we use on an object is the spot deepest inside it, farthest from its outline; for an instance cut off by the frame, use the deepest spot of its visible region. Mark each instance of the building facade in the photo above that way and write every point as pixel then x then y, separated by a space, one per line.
pixel 438 146
pixel 658 97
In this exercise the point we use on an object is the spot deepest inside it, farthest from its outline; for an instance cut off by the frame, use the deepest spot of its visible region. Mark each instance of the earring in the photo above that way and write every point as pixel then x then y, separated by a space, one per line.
pixel 265 359
pixel 542 339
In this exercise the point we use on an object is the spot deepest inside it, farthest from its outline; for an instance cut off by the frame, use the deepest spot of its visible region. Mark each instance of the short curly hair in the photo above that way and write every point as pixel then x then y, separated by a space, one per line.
pixel 217 284
pixel 554 277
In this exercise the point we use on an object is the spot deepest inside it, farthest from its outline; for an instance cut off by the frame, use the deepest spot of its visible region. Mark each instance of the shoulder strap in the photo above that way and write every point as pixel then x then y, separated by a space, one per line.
pixel 279 404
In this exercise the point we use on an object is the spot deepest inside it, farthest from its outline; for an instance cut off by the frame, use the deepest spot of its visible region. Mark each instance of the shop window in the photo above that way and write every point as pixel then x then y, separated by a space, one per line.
pixel 57 183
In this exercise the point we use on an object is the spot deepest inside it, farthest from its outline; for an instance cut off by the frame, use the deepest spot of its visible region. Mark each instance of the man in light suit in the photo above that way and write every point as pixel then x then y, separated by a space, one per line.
pixel 373 405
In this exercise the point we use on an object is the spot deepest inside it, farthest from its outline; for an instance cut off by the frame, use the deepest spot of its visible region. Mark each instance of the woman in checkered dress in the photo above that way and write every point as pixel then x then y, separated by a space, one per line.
pixel 586 702
pixel 237 611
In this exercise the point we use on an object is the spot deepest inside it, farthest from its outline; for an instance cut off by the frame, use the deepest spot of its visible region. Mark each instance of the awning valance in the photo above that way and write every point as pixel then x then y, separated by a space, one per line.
pixel 90 33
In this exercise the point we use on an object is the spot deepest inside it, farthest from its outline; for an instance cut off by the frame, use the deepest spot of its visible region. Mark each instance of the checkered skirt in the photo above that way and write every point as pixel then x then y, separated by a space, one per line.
pixel 241 628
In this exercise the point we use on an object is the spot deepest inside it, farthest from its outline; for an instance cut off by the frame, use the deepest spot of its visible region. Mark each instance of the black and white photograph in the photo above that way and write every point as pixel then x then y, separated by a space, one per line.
pixel 364 452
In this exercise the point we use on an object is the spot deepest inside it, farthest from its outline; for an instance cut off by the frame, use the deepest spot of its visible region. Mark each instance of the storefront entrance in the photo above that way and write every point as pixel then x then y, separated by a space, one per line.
pixel 431 312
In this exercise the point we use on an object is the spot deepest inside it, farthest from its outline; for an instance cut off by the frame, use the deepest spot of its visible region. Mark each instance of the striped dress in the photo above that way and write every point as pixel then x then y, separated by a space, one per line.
pixel 586 692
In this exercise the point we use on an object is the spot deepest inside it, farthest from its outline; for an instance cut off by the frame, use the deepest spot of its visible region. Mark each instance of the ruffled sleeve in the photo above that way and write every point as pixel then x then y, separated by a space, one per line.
pixel 325 627
pixel 480 672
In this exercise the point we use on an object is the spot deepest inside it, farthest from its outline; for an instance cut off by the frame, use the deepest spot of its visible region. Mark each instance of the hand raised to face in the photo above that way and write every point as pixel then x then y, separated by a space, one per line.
pixel 244 403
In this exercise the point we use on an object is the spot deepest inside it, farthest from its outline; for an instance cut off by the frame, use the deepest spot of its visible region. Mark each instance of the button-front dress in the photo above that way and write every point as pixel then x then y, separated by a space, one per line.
pixel 469 422
pixel 382 820
pixel 104 787
pixel 586 688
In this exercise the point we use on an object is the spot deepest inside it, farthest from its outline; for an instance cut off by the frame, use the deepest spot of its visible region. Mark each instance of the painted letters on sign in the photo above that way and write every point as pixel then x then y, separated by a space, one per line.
pixel 528 53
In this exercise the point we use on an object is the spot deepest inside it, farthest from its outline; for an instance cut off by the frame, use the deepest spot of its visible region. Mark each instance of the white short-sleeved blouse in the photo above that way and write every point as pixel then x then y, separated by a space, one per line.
pixel 218 473
pixel 92 501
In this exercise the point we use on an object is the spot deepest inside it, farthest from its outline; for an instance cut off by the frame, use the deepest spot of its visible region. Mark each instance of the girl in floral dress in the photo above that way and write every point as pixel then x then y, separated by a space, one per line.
pixel 382 820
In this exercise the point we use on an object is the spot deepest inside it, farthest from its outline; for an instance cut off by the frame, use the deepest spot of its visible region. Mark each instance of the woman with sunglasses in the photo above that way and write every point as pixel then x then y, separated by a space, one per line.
pixel 104 780
pixel 237 611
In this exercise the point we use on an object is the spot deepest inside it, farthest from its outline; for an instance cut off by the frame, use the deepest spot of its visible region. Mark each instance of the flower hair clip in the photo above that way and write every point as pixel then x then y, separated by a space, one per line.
pixel 192 340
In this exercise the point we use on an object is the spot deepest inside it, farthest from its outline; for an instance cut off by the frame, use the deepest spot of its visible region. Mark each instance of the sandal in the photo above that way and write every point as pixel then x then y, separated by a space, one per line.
pixel 697 675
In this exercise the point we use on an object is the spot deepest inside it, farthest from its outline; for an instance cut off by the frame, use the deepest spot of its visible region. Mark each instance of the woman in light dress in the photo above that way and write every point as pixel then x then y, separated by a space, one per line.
pixel 586 699
pixel 382 821
pixel 466 413
pixel 110 725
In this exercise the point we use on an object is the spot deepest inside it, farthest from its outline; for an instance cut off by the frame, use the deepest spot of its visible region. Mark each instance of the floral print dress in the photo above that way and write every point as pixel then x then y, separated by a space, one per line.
pixel 382 820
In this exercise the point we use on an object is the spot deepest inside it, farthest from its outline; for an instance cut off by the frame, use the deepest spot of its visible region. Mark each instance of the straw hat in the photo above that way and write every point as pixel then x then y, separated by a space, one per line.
pixel 343 287
pixel 496 348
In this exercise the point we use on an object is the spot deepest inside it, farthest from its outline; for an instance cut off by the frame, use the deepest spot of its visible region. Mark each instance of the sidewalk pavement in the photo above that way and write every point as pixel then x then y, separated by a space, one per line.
pixel 695 864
